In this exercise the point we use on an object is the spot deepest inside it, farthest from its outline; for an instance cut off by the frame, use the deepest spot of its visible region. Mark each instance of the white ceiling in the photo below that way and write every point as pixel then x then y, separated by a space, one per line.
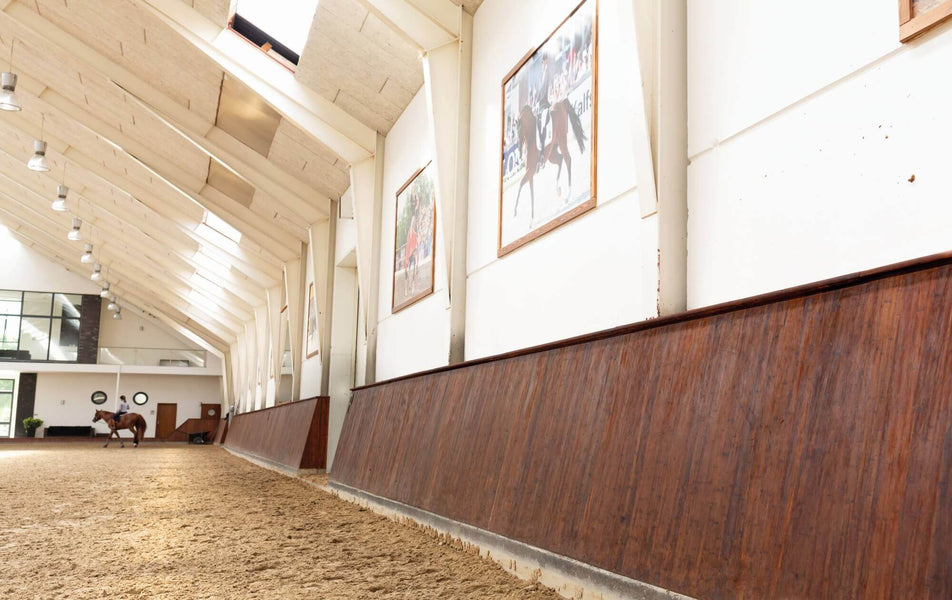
pixel 153 128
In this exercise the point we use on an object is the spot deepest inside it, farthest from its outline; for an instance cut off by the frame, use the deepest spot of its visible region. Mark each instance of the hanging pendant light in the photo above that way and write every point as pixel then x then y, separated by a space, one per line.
pixel 87 257
pixel 97 272
pixel 113 305
pixel 8 81
pixel 39 162
pixel 118 314
pixel 105 290
pixel 59 205
pixel 75 235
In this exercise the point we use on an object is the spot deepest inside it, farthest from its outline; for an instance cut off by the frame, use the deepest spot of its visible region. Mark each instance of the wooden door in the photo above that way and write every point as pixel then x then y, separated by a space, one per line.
pixel 165 421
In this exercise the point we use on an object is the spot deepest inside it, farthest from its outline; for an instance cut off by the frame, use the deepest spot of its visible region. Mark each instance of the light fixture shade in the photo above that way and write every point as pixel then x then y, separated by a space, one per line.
pixel 105 290
pixel 112 305
pixel 59 205
pixel 39 162
pixel 87 257
pixel 8 95
pixel 97 272
pixel 117 315
pixel 75 235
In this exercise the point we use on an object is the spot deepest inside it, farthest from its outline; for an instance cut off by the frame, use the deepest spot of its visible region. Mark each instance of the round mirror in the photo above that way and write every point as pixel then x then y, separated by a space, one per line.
pixel 140 398
pixel 99 397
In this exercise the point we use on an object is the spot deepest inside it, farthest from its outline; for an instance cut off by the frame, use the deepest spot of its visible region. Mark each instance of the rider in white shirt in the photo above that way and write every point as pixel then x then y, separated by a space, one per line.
pixel 123 409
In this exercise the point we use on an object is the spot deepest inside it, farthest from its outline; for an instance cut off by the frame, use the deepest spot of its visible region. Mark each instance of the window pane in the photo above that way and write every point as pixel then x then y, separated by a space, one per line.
pixel 10 302
pixel 9 332
pixel 67 305
pixel 35 336
pixel 4 430
pixel 37 303
pixel 6 385
pixel 6 407
pixel 64 339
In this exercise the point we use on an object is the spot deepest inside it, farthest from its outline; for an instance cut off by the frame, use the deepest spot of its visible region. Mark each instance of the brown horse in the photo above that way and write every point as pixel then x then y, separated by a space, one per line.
pixel 556 151
pixel 528 138
pixel 134 422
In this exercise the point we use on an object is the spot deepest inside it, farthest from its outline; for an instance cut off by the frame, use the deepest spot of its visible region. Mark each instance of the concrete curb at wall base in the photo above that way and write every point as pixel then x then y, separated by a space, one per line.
pixel 567 576
pixel 272 465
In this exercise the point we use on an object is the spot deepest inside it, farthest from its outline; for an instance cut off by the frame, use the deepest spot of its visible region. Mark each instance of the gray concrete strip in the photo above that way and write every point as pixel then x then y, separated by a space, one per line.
pixel 569 577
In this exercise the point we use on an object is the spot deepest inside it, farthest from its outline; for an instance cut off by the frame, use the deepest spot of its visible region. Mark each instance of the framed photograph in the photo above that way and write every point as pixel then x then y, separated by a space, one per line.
pixel 549 132
pixel 313 344
pixel 414 239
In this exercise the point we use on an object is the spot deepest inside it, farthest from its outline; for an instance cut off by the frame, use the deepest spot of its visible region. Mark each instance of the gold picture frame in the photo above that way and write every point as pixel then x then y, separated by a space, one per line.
pixel 549 120
pixel 414 240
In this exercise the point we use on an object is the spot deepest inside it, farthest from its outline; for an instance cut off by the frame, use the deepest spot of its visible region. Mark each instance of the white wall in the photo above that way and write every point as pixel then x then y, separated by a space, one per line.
pixel 591 273
pixel 63 398
pixel 24 269
pixel 806 121
pixel 416 338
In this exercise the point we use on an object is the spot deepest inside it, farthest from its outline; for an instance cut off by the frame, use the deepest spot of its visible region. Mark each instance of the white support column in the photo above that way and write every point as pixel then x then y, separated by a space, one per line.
pixel 672 156
pixel 249 374
pixel 227 382
pixel 297 305
pixel 238 373
pixel 448 79
pixel 260 373
pixel 323 243
pixel 275 351
pixel 366 180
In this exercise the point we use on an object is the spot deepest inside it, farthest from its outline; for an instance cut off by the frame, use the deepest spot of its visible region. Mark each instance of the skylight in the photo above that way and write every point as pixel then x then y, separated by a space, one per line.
pixel 279 27
pixel 216 224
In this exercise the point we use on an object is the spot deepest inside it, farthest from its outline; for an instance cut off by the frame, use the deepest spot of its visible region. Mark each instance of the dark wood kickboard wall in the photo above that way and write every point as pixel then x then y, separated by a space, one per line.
pixel 798 446
pixel 293 435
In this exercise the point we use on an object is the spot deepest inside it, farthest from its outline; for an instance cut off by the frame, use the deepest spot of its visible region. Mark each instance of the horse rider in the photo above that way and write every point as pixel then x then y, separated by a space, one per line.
pixel 123 409
pixel 546 82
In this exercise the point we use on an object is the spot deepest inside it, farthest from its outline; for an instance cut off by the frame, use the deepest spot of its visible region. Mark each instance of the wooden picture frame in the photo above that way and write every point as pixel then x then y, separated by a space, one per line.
pixel 417 228
pixel 564 70
pixel 312 344
pixel 914 20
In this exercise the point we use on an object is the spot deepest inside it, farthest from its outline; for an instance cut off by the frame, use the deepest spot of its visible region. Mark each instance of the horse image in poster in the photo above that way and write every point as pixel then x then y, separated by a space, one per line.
pixel 548 133
pixel 413 239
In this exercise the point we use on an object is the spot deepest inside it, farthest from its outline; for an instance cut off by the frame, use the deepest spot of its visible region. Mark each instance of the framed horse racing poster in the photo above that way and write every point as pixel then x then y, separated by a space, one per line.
pixel 549 132
pixel 414 236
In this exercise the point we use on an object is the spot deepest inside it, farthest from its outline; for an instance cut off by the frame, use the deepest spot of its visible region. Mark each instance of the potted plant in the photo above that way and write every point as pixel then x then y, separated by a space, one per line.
pixel 31 424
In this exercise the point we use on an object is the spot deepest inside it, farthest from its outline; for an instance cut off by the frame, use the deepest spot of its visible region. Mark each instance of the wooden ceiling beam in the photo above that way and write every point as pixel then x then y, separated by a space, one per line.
pixel 51 248
pixel 299 198
pixel 345 135
pixel 135 269
pixel 426 24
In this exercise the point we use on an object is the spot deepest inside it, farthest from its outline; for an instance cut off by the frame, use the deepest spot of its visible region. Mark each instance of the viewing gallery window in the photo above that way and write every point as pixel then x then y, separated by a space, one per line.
pixel 39 326
pixel 918 16
pixel 6 406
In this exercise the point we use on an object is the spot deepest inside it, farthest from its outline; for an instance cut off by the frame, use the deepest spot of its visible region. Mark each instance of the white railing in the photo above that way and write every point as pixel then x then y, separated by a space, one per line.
pixel 152 357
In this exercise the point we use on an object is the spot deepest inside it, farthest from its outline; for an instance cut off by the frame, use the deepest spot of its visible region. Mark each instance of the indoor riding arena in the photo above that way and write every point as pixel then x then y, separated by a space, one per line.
pixel 476 299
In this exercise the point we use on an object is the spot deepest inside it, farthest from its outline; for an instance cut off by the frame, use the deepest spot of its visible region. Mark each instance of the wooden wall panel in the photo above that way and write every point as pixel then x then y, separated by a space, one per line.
pixel 293 435
pixel 796 445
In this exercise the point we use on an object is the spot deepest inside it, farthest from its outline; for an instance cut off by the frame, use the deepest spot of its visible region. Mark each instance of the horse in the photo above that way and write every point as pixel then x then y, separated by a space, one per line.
pixel 134 422
pixel 557 151
pixel 528 138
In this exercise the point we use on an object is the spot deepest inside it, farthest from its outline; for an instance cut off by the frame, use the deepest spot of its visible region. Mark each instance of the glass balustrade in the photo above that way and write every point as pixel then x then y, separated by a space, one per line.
pixel 152 357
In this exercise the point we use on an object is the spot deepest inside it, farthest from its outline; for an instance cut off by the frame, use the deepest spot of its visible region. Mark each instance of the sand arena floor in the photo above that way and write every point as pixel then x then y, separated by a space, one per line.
pixel 196 522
